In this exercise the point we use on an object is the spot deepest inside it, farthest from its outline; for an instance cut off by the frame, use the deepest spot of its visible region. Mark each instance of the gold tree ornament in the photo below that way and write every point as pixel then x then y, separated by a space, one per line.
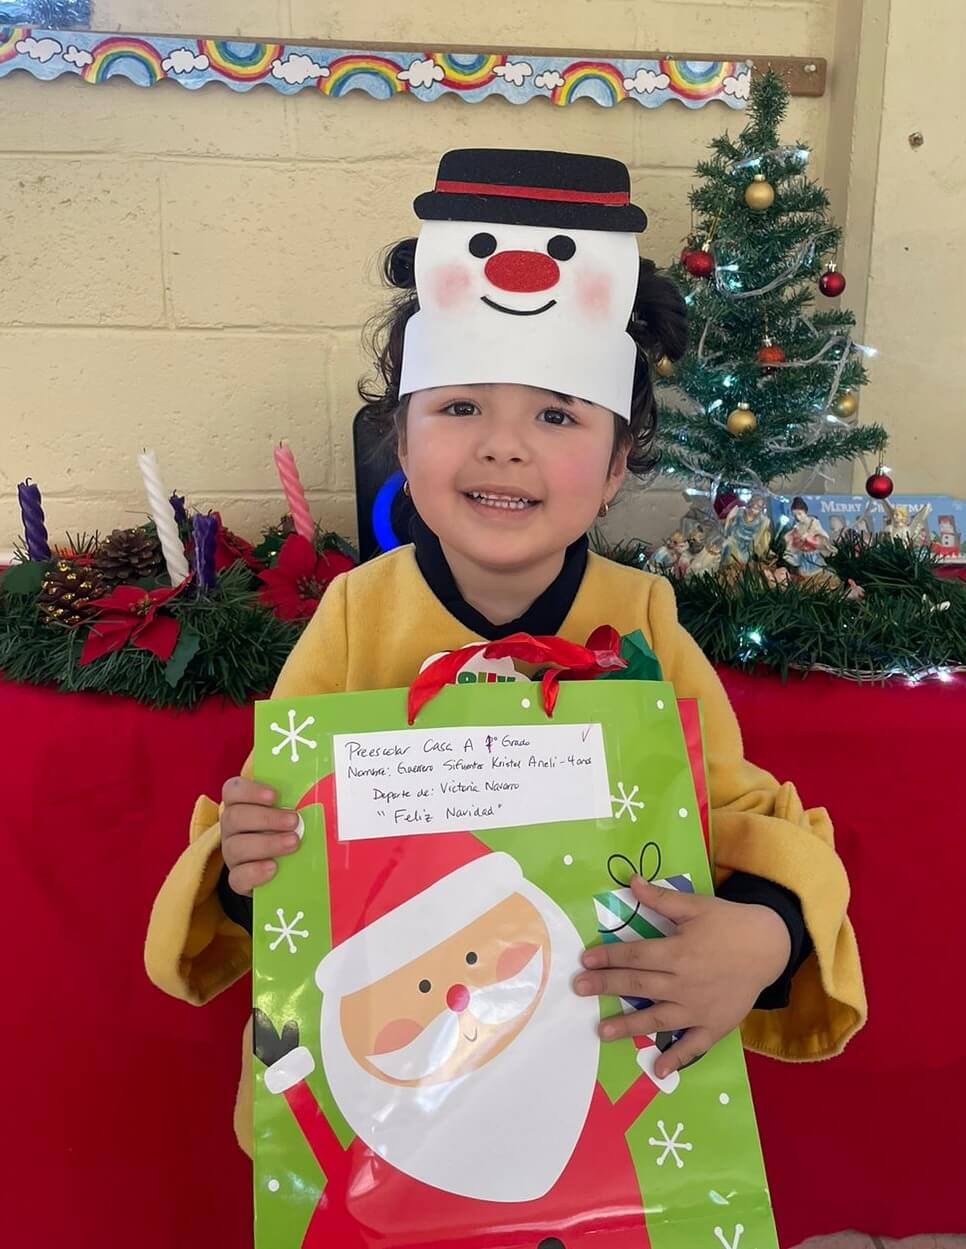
pixel 741 421
pixel 759 193
pixel 846 404
pixel 664 367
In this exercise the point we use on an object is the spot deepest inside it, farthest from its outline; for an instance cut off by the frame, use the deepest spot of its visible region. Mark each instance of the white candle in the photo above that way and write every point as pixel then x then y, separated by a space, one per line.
pixel 163 516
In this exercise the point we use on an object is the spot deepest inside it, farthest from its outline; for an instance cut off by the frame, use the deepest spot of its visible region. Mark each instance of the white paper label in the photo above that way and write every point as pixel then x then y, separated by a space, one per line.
pixel 441 780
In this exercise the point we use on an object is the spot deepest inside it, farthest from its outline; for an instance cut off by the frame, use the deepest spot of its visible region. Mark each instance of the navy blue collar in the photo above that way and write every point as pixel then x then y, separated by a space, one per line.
pixel 545 614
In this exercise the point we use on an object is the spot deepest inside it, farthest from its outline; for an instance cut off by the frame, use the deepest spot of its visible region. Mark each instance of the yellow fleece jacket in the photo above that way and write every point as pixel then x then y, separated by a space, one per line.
pixel 372 630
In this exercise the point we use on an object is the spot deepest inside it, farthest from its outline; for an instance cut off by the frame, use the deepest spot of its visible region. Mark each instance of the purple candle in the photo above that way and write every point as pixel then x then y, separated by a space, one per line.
pixel 33 520
pixel 177 506
pixel 205 529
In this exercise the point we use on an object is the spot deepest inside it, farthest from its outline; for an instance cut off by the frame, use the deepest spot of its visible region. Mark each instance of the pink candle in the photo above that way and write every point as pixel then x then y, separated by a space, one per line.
pixel 294 494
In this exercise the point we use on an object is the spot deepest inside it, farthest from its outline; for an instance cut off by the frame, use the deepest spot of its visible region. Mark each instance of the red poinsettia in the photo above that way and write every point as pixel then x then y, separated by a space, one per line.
pixel 299 578
pixel 129 614
pixel 229 548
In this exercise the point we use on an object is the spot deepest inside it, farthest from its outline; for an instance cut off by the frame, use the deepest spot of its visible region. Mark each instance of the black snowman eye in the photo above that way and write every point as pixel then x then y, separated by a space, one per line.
pixel 482 245
pixel 472 958
pixel 424 986
pixel 561 247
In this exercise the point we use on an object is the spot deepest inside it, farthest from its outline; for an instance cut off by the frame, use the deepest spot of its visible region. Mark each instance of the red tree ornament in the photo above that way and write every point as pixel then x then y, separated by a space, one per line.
pixel 880 485
pixel 770 353
pixel 831 283
pixel 700 264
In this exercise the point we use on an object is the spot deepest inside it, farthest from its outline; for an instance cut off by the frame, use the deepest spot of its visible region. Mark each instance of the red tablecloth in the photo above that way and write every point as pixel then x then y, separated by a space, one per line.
pixel 118 1100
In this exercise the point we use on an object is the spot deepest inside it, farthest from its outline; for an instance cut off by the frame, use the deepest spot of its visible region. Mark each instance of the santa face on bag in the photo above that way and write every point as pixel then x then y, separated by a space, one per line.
pixel 453 1010
pixel 461 1048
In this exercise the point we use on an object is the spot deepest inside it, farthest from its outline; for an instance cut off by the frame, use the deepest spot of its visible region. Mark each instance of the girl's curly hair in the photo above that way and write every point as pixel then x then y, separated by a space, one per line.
pixel 658 325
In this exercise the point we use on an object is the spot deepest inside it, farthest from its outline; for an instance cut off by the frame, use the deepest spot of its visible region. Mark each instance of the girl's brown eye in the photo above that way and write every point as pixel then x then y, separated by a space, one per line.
pixel 424 986
pixel 472 957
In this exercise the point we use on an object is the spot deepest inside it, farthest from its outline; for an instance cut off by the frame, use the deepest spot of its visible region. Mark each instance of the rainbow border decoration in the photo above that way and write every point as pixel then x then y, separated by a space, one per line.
pixel 239 64
pixel 239 61
pixel 10 36
pixel 361 72
pixel 115 56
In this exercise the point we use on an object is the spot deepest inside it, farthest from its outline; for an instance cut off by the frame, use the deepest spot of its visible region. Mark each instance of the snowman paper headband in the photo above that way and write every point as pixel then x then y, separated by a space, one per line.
pixel 526 271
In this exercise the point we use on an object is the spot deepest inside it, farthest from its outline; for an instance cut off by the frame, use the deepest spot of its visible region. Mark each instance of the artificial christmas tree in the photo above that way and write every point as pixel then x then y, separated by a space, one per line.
pixel 767 388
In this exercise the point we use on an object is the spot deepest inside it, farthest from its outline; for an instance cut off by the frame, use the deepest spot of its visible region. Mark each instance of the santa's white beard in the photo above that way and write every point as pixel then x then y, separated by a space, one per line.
pixel 503 1132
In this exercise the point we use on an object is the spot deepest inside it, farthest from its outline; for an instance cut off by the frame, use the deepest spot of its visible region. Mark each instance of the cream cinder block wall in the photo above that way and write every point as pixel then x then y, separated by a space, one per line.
pixel 915 250
pixel 189 270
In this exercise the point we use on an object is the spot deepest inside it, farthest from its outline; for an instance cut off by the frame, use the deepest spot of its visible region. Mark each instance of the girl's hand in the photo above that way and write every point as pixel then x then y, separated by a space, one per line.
pixel 705 977
pixel 254 833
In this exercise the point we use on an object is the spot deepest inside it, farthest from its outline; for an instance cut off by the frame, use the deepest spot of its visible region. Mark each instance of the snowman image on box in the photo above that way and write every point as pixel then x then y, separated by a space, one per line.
pixel 457 1052
pixel 526 271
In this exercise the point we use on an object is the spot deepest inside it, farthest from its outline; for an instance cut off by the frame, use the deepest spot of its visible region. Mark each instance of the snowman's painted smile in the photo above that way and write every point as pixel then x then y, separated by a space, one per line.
pixel 518 312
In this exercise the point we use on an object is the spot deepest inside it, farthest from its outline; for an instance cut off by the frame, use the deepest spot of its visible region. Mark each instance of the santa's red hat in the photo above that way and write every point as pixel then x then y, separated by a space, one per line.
pixel 393 898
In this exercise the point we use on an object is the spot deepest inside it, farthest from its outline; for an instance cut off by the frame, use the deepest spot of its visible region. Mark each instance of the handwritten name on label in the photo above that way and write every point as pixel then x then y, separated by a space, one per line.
pixel 438 780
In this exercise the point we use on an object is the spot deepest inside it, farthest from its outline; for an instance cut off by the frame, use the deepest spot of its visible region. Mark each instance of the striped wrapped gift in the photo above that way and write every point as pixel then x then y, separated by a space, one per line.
pixel 620 917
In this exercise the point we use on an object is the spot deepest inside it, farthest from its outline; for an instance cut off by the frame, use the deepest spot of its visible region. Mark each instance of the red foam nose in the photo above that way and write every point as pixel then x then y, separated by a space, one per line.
pixel 522 271
pixel 457 997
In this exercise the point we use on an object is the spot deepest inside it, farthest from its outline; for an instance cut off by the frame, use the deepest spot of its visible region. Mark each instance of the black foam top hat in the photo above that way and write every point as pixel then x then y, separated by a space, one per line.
pixel 558 189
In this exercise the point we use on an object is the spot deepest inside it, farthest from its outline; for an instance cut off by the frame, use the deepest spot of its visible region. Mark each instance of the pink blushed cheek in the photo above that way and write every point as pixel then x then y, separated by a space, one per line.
pixel 594 294
pixel 514 958
pixel 396 1035
pixel 451 285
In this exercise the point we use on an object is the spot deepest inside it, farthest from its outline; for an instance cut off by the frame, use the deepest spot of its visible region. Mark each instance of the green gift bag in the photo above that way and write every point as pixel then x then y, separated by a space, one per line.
pixel 425 1075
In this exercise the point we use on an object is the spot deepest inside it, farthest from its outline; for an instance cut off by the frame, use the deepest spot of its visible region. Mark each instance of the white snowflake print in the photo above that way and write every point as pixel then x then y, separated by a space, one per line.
pixel 288 932
pixel 626 802
pixel 736 1239
pixel 292 736
pixel 670 1144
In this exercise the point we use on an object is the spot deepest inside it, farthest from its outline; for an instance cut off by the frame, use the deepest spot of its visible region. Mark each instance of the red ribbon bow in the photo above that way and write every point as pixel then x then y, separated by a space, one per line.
pixel 567 661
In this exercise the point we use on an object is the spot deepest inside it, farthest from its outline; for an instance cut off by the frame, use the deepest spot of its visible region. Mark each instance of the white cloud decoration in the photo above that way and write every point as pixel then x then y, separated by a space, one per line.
pixel 646 81
pixel 422 73
pixel 298 68
pixel 78 57
pixel 738 85
pixel 42 50
pixel 184 61
pixel 514 72
pixel 550 79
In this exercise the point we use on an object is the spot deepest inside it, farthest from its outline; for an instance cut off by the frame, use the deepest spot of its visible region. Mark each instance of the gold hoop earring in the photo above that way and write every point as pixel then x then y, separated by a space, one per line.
pixel 406 490
pixel 603 509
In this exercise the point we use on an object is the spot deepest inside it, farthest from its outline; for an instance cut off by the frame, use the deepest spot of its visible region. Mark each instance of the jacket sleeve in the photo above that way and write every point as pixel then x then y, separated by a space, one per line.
pixel 761 827
pixel 193 950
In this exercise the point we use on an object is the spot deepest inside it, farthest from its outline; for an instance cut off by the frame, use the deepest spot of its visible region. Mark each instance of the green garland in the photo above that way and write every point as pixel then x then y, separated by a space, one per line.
pixel 229 645
pixel 909 622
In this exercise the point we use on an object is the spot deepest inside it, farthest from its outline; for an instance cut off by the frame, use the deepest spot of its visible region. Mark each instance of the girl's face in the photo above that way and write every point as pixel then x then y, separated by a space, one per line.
pixel 508 476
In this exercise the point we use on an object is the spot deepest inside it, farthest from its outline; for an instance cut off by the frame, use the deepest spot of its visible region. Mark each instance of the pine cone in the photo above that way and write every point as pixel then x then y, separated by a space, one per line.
pixel 68 591
pixel 129 555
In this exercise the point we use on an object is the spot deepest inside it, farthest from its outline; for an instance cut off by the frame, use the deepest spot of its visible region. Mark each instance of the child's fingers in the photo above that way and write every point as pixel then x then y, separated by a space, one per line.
pixel 249 876
pixel 694 1043
pixel 671 903
pixel 626 982
pixel 247 817
pixel 253 847
pixel 240 789
pixel 654 955
pixel 661 1017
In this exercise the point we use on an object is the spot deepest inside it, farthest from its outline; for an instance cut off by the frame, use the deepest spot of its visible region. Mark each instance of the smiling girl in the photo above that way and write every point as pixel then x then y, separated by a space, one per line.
pixel 514 374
